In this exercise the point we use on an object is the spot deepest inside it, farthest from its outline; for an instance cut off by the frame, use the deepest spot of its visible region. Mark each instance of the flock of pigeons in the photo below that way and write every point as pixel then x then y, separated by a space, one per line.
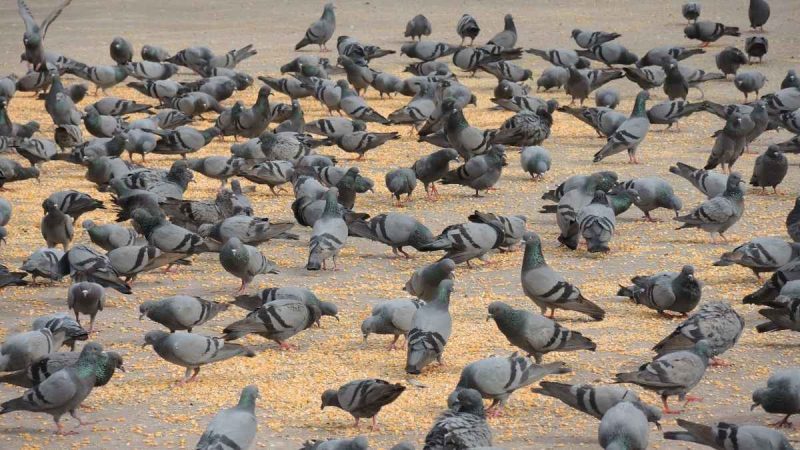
pixel 167 230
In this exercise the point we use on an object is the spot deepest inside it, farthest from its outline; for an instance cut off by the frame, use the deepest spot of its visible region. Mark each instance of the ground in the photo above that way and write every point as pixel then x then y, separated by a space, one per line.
pixel 140 409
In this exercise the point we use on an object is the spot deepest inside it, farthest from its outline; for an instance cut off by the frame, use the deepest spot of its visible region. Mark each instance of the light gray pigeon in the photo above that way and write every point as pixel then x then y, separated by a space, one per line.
pixel 708 32
pixel 669 112
pixel 115 106
pixel 712 184
pixel 57 322
pixel 461 427
pixel 630 134
pixel 552 77
pixel 56 227
pixel 44 263
pixel 329 234
pixel 217 167
pixel 424 282
pixel 570 205
pixel 672 374
pixel 18 351
pixel 64 391
pixel 181 312
pixel 513 227
pixel 548 288
pixel 233 427
pixel 430 330
pixel 358 443
pixel 588 39
pixel 35 151
pixel 724 435
pixel 781 396
pixel 653 193
pixel 718 214
pixel 762 254
pixel 607 97
pixel 321 31
pixel 111 236
pixel 770 169
pixel 536 161
pixel 715 322
pixel 244 262
pixel 167 237
pixel 427 50
pixel 11 171
pixel 192 351
pixel 559 57
pixel 596 222
pixel 623 427
pixel 250 230
pixel 417 27
pixel 749 82
pixel 391 317
pixel 666 291
pixel 334 127
pixel 271 173
pixel 86 298
pixel 610 53
pixel 131 260
pixel 508 37
pixel 604 121
pixel 596 400
pixel 497 377
pixel 363 399
pixel 535 334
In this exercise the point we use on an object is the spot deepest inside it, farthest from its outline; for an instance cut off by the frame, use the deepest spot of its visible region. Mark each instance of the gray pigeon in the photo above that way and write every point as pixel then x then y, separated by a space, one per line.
pixel 357 108
pixel 480 172
pixel 74 203
pixel 467 27
pixel 192 351
pixel 724 435
pixel 596 222
pixel 552 77
pixel 691 11
pixel 44 263
pixel 560 57
pixel 709 183
pixel 253 302
pixel 758 13
pixel 250 230
pixel 110 236
pixel 548 288
pixel 35 34
pixel 393 229
pixel 399 182
pixel 167 237
pixel 665 291
pixel 433 167
pixel 630 134
pixel 761 254
pixel 749 81
pixel 670 111
pixel 427 50
pixel 430 330
pixel 610 53
pixel 358 443
pixel 708 32
pixel 86 298
pixel 781 396
pixel 656 55
pixel 672 374
pixel 363 399
pixel 461 427
pixel 718 214
pixel 131 260
pixel 61 321
pixel 36 151
pixel 217 167
pixel 56 226
pixel 466 241
pixel 329 234
pixel 334 127
pixel 233 427
pixel 623 427
pixel 777 283
pixel 181 312
pixel 47 366
pixel 271 173
pixel 715 322
pixel 778 319
pixel 244 262
pixel 417 27
pixel 64 391
pixel 607 97
pixel 793 221
pixel 18 351
pixel 596 400
pixel 604 121
pixel 507 38
pixel 513 227
pixel 497 377
pixel 653 193
pixel 360 142
pixel 321 31
pixel 573 201
pixel 588 39
pixel 391 317
pixel 536 161
pixel 729 60
pixel 535 334
pixel 103 77
pixel 770 169
pixel 424 282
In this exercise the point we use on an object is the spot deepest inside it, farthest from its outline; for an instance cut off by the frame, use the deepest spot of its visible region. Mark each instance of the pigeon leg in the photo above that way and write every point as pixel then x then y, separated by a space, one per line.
pixel 393 345
pixel 719 362
pixel 403 252
pixel 666 407
pixel 91 324
pixel 375 426
pixel 335 266
pixel 194 375
pixel 552 313
pixel 242 287
pixel 356 424
pixel 705 44
pixel 648 218
pixel 692 399
pixel 60 430
pixel 81 423
pixel 783 423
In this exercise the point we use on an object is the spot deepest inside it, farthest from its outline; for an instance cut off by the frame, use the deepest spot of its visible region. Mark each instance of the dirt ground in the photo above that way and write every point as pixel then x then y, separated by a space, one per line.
pixel 140 409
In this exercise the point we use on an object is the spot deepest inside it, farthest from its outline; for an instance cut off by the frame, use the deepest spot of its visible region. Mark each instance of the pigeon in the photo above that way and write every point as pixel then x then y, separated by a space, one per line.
pixel 8 278
pixel 718 214
pixel 608 98
pixel 525 128
pixel 360 142
pixel 61 321
pixel 672 374
pixel 391 317
pixel 321 31
pixel 110 236
pixel 596 222
pixel 363 399
pixel 83 263
pixel 749 81
pixel 729 60
pixel 192 351
pixel 587 39
pixel 655 56
pixel 393 229
pixel 623 426
pixel 770 169
pixel 709 183
pixel 691 11
pixel 48 365
pixel 646 77
pixel 793 221
pixel 535 161
pixel 335 127
pixel 790 80
pixel 609 53
pixel 665 291
pixel 399 182
pixel 761 254
pixel 467 27
pixel 356 107
pixel 758 13
pixel 44 263
pixel 11 171
pixel 167 237
pixel 570 205
pixel 461 427
pixel 18 351
pixel 427 51
pixel 103 77
pixel 596 400
pixel 560 57
pixel 480 172
pixel 121 50
pixel 217 167
pixel 548 288
pixel 424 282
pixel 513 227
pixel 64 391
pixel 464 242
pixel 183 140
pixel 271 173
pixel 780 396
pixel 74 203
pixel 233 427
pixel 778 283
pixel 88 298
pixel 535 334
pixel 430 329
pixel 417 27
pixel 35 33
pixel 249 230
pixel 724 435
pixel 630 133
pixel 508 37
pixel 552 77
pixel 244 262
pixel 756 47
pixel 604 121
pixel 708 32
pixel 329 234
pixel 36 151
pixel 56 226
pixel 181 312
pixel 715 322
pixel 778 319
pixel 653 193
pixel 358 443
pixel 670 111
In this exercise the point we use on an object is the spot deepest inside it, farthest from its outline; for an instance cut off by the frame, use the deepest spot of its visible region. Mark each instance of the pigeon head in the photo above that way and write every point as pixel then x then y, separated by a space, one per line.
pixel 145 308
pixel 733 182
pixel 405 49
pixel 773 151
pixel 154 337
pixel 367 327
pixel 703 348
pixel 688 271
pixel 690 31
pixel 91 350
pixel 575 32
pixel 116 359
pixel 248 397
pixel 470 401
pixel 497 309
pixel 49 206
pixel 583 63
pixel 329 309
pixel 330 398
pixel 759 396
pixel 652 414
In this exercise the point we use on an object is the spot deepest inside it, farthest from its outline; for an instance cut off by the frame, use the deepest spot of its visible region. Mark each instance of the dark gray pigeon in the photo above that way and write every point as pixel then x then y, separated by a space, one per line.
pixel 655 56
pixel 793 221
pixel 672 374
pixel 779 319
pixel 535 334
pixel 729 60
pixel 552 77
pixel 790 80
pixel 481 172
pixel 86 298
pixel 399 182
pixel 724 435
pixel 56 227
pixel 777 284
pixel 321 31
pixel 508 37
pixel 433 167
pixel 417 27
pixel 596 400
pixel 781 396
pixel 665 291
pixel 233 427
pixel 391 317
pixel 623 426
pixel 461 427
pixel 430 330
pixel 181 312
pixel 718 214
pixel 547 288
pixel 770 169
pixel 758 13
pixel 192 351
pixel 74 203
pixel 363 399
pixel 121 50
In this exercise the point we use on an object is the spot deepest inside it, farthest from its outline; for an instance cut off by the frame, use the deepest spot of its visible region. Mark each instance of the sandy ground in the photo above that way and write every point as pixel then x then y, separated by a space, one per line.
pixel 140 409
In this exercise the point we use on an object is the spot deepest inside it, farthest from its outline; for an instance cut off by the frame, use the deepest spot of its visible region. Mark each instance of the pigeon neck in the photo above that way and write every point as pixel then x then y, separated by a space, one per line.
pixel 457 120
pixel 442 299
pixel 331 206
pixel 638 107
pixel 105 370
pixel 247 402
pixel 533 257
pixel 87 366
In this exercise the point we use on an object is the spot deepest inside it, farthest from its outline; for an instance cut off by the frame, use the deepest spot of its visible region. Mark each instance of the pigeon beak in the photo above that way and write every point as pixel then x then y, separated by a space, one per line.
pixel 122 368
pixel 488 316
pixel 753 406
pixel 658 426
pixel 337 319
pixel 144 345
pixel 141 316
